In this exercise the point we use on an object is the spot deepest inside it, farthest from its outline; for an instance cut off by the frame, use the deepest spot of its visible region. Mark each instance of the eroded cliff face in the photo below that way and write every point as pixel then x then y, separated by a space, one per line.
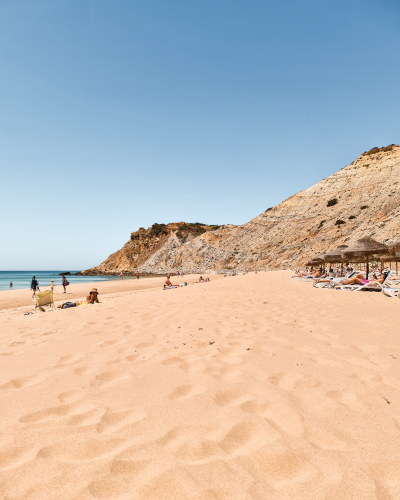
pixel 361 199
pixel 144 243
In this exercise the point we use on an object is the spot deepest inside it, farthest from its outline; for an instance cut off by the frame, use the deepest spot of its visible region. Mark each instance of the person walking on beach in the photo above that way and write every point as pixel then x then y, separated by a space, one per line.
pixel 34 286
pixel 121 276
pixel 64 283
pixel 137 275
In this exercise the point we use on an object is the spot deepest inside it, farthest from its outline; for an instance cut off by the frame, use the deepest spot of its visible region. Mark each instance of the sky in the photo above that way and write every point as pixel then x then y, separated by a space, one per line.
pixel 118 114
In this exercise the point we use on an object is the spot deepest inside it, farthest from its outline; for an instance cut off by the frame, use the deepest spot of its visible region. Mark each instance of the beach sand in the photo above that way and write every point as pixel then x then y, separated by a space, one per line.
pixel 248 387
pixel 23 297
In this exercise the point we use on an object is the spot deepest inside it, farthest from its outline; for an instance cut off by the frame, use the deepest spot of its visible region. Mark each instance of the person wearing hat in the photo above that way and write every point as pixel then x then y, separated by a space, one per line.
pixel 93 296
pixel 52 285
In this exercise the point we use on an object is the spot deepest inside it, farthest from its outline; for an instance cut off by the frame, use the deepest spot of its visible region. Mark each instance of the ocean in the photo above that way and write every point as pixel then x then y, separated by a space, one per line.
pixel 22 279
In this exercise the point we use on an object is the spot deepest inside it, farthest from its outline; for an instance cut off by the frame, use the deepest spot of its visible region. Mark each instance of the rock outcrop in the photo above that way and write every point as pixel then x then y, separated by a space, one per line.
pixel 359 200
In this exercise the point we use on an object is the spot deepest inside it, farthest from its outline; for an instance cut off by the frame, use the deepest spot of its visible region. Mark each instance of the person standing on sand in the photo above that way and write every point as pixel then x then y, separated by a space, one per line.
pixel 137 275
pixel 121 276
pixel 34 285
pixel 63 283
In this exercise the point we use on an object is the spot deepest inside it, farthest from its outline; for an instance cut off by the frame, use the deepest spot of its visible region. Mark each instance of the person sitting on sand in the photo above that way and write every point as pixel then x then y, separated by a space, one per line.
pixel 93 296
pixel 201 279
pixel 168 283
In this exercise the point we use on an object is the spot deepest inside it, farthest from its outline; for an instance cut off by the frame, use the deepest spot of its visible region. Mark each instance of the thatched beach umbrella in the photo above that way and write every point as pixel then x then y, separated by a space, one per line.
pixel 394 248
pixel 335 255
pixel 316 261
pixel 389 258
pixel 364 248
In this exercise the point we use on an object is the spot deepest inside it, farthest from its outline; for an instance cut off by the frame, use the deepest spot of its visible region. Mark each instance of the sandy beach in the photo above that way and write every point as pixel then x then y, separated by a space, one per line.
pixel 10 299
pixel 246 388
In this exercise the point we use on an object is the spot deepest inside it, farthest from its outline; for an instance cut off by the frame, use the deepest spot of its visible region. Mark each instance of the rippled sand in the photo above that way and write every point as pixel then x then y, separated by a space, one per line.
pixel 249 387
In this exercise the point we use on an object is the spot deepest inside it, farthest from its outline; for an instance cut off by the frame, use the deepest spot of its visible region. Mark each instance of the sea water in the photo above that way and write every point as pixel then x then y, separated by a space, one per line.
pixel 22 279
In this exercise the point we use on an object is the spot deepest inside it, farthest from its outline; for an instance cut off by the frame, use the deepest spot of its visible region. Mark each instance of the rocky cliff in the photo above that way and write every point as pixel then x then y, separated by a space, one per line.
pixel 358 200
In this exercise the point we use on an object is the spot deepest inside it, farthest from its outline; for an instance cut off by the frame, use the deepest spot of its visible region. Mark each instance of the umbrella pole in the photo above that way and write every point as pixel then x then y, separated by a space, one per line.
pixel 367 267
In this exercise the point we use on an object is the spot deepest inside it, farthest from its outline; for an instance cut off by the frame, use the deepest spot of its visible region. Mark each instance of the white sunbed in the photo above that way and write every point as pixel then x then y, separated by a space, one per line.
pixel 333 281
pixel 391 292
pixel 367 286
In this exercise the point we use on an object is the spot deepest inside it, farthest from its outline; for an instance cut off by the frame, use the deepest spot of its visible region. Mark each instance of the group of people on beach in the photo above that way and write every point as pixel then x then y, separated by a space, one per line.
pixel 121 275
pixel 35 285
pixel 168 284
pixel 321 275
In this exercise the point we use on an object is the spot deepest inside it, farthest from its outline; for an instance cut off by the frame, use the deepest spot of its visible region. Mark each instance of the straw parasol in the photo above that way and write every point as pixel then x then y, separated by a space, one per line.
pixel 394 248
pixel 335 255
pixel 364 248
pixel 388 257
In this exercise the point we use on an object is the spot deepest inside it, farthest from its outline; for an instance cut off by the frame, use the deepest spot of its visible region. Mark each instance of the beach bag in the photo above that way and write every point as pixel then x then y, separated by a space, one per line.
pixel 66 283
pixel 66 305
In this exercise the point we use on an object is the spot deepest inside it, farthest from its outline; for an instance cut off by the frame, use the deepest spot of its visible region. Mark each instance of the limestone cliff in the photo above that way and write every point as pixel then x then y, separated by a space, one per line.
pixel 146 242
pixel 358 200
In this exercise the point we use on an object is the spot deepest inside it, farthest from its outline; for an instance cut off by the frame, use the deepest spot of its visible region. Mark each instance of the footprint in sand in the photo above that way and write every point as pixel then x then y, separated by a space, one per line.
pixel 84 370
pixel 70 396
pixel 11 458
pixel 232 397
pixel 114 420
pixel 108 378
pixel 186 391
pixel 292 380
pixel 257 433
pixel 348 399
pixel 70 359
pixel 62 410
pixel 109 343
pixel 285 468
pixel 75 450
pixel 19 383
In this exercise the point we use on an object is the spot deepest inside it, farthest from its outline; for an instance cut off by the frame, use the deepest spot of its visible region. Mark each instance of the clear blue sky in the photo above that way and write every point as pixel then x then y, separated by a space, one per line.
pixel 117 114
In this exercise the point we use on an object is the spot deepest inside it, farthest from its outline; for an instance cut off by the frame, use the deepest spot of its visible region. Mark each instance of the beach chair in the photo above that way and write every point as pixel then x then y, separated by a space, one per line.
pixel 392 292
pixel 334 281
pixel 367 286
pixel 44 299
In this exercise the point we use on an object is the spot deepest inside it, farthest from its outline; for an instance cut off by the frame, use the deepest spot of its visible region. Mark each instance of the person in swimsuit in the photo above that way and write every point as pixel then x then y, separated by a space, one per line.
pixel 63 283
pixel 137 275
pixel 168 283
pixel 93 296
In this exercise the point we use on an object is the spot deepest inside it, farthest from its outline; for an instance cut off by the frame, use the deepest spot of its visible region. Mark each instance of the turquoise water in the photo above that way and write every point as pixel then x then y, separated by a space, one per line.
pixel 22 279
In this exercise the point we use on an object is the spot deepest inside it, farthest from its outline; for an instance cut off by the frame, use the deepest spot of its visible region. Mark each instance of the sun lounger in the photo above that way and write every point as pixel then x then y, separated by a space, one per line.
pixel 392 292
pixel 367 286
pixel 333 281
pixel 308 279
